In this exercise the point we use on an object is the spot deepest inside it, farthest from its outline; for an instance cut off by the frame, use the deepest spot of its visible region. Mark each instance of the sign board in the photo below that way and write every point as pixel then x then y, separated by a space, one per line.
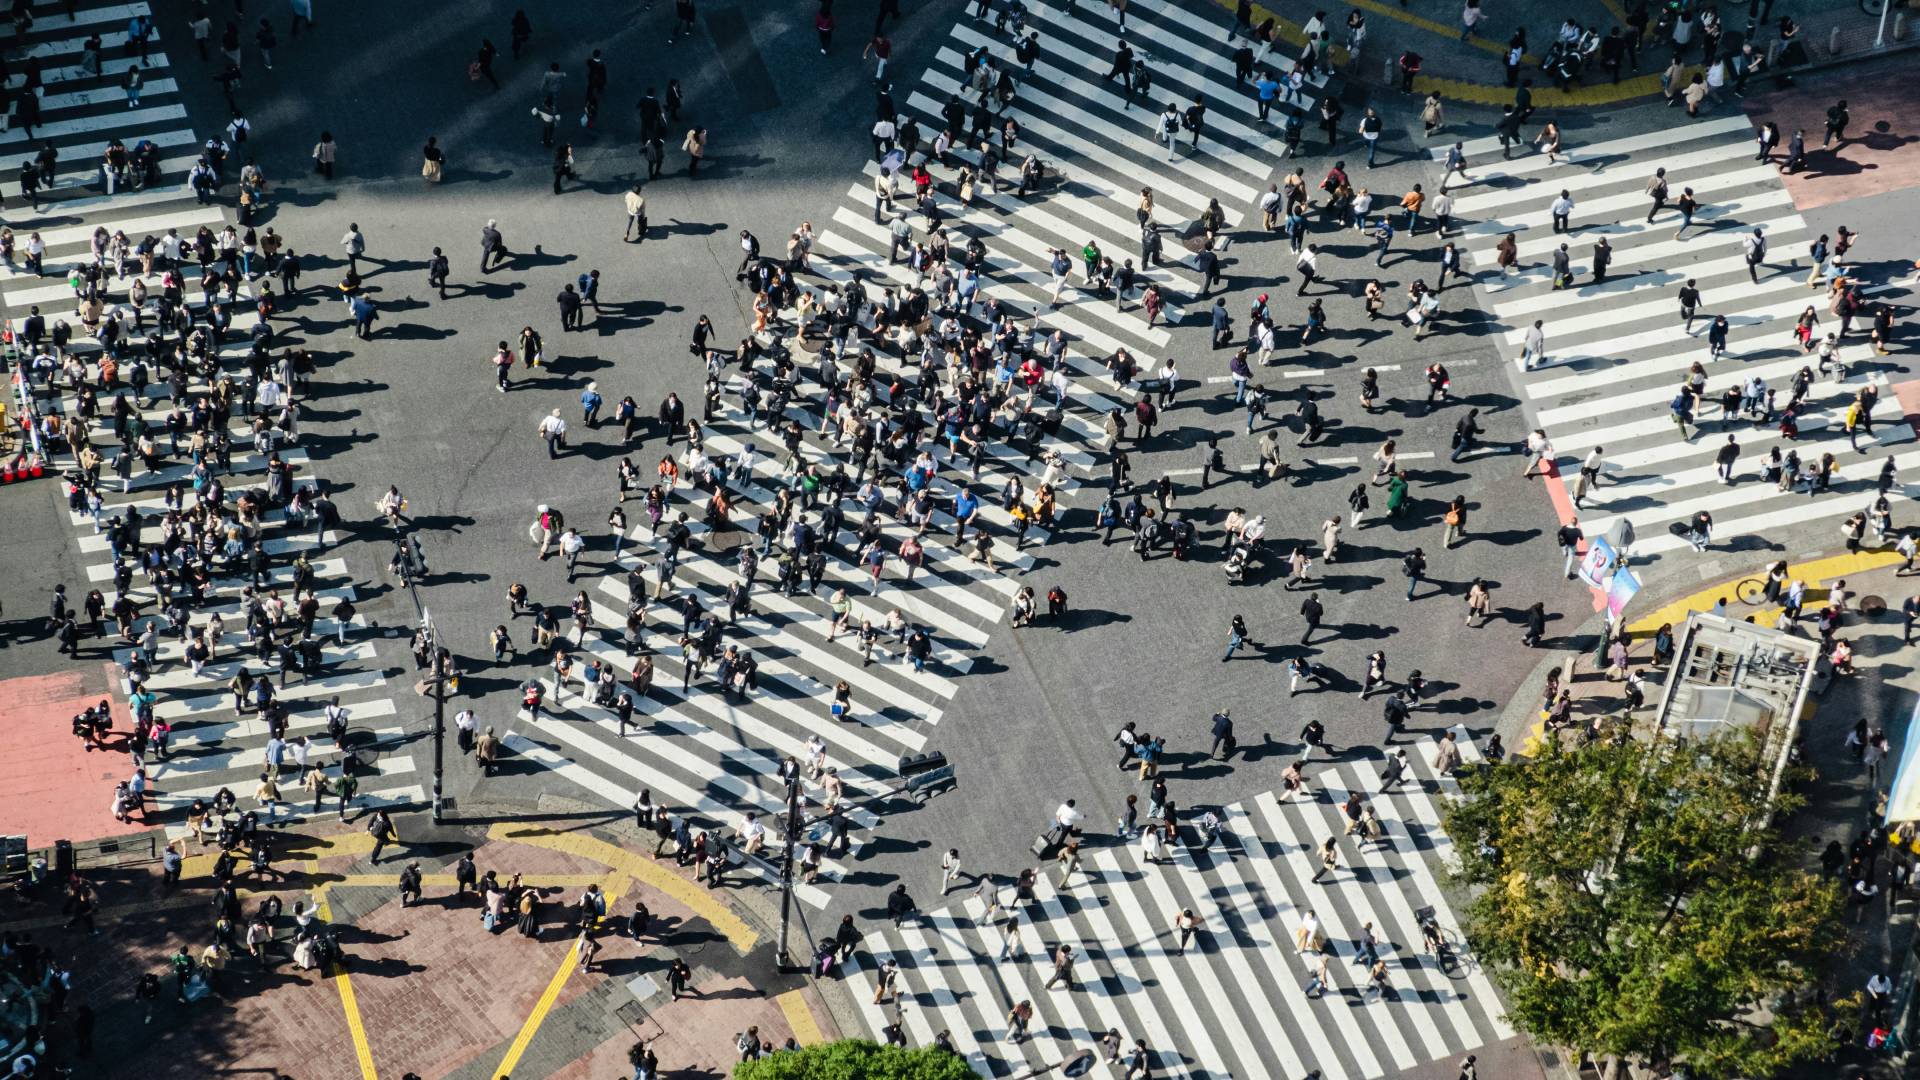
pixel 1621 589
pixel 1597 563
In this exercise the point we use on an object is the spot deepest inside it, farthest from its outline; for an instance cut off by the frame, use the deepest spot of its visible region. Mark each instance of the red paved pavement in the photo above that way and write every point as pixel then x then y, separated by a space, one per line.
pixel 51 786
pixel 1882 151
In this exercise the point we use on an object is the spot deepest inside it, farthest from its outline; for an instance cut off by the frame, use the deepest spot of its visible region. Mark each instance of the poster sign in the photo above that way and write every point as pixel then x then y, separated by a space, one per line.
pixel 1597 563
pixel 1620 590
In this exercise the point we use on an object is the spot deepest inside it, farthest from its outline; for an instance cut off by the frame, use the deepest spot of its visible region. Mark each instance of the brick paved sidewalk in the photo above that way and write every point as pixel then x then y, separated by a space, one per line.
pixel 425 989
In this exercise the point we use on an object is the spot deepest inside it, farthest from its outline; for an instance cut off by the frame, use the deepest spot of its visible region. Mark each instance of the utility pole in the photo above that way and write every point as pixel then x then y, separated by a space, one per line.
pixel 441 674
pixel 410 563
pixel 786 865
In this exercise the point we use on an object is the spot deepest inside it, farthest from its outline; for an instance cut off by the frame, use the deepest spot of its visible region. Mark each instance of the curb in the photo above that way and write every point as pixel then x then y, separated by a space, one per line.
pixel 757 905
pixel 1516 721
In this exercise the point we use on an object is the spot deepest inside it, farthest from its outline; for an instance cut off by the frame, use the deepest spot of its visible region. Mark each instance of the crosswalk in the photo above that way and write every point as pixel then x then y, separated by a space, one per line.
pixel 718 757
pixel 1233 1003
pixel 214 746
pixel 1618 351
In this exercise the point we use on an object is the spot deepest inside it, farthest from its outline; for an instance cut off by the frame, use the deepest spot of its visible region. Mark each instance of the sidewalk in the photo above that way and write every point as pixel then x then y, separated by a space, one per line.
pixel 425 989
pixel 1840 801
pixel 1475 69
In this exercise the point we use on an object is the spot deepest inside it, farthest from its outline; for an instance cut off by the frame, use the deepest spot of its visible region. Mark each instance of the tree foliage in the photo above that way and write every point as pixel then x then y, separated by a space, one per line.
pixel 1631 901
pixel 856 1059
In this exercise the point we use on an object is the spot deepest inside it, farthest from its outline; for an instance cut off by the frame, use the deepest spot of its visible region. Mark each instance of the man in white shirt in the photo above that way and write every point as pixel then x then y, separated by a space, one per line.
pixel 1533 348
pixel 554 429
pixel 754 833
pixel 571 544
pixel 1562 209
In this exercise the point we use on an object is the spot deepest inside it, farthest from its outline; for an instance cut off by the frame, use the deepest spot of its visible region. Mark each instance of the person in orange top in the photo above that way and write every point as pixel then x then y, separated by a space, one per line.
pixel 1411 202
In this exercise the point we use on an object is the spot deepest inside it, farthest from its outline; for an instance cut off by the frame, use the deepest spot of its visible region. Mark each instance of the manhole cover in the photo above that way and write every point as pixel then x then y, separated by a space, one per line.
pixel 1873 605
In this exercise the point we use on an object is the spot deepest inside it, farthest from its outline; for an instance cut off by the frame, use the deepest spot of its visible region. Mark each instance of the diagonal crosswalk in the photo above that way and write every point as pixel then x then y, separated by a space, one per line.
pixel 715 755
pixel 718 755
pixel 215 742
pixel 1618 352
pixel 1209 1010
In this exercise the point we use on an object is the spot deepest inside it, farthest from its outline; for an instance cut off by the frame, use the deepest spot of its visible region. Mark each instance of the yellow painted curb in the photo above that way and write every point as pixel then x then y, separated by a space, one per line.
pixel 1400 15
pixel 1471 92
pixel 324 847
pixel 641 869
pixel 800 1018
pixel 1544 97
pixel 1813 572
pixel 1291 32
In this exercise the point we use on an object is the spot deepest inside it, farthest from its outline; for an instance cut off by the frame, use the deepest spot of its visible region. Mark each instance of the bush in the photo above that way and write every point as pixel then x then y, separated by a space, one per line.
pixel 856 1059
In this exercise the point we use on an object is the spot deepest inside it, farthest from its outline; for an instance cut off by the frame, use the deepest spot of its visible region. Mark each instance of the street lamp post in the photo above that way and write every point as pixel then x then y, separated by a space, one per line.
pixel 410 562
pixel 442 673
pixel 786 864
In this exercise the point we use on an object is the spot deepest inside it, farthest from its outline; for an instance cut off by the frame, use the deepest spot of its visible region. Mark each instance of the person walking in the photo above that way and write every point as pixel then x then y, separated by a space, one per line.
pixel 1063 959
pixel 1312 611
pixel 1562 210
pixel 1329 859
pixel 1837 120
pixel 636 205
pixel 1754 245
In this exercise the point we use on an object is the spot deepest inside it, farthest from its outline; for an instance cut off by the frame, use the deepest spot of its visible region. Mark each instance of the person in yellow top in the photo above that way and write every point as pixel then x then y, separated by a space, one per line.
pixel 1411 202
pixel 267 794
pixel 213 960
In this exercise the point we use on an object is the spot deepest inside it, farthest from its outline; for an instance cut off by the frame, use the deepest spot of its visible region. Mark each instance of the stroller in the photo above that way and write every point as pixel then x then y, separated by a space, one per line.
pixel 1236 565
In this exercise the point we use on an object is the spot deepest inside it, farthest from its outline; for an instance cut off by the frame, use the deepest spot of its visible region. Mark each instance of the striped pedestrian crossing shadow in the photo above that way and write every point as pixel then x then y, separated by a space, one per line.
pixel 1250 888
pixel 1619 353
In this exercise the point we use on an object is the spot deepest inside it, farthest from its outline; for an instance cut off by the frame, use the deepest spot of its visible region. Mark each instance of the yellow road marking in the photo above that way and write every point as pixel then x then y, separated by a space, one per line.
pixel 1292 32
pixel 541 1008
pixel 323 847
pixel 1398 14
pixel 1547 97
pixel 639 868
pixel 1459 89
pixel 348 1003
pixel 538 1015
pixel 800 1018
pixel 1813 572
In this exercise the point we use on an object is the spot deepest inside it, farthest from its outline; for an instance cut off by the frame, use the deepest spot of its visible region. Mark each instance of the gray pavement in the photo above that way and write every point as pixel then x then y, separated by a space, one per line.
pixel 1029 712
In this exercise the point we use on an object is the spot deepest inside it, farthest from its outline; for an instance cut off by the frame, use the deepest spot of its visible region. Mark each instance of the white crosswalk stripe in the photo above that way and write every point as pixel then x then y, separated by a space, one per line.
pixel 1618 352
pixel 213 744
pixel 715 755
pixel 1209 1011
pixel 726 751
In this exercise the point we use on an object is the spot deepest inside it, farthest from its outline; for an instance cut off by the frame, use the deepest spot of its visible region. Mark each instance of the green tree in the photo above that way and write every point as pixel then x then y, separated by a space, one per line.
pixel 1633 901
pixel 856 1059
